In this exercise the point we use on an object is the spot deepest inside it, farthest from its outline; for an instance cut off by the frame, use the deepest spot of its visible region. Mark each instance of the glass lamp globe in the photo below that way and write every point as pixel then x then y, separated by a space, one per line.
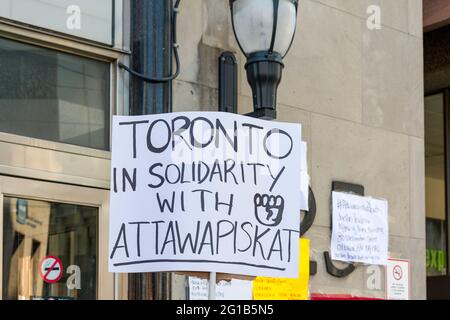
pixel 264 25
pixel 264 30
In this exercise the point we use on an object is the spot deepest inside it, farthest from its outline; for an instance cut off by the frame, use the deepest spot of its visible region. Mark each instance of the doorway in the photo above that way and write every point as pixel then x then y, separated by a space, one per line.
pixel 436 204
pixel 54 241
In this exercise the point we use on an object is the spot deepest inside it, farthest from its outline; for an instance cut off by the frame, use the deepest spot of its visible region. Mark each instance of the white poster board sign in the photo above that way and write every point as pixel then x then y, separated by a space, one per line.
pixel 205 191
pixel 225 290
pixel 397 280
pixel 360 229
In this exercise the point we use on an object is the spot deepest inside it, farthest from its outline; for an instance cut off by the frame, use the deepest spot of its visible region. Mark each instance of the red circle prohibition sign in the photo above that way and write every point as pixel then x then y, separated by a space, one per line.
pixel 397 272
pixel 51 269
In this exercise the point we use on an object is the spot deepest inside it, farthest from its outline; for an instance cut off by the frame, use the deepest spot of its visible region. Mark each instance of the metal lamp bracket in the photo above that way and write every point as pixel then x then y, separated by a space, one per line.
pixel 228 78
pixel 331 268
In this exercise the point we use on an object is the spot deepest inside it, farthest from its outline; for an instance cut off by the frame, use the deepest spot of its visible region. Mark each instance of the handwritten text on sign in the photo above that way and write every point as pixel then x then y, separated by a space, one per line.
pixel 225 290
pixel 360 229
pixel 205 192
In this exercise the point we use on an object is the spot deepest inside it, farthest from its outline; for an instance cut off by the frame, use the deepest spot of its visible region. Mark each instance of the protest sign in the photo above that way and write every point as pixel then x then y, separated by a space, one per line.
pixel 286 289
pixel 209 191
pixel 360 229
pixel 225 290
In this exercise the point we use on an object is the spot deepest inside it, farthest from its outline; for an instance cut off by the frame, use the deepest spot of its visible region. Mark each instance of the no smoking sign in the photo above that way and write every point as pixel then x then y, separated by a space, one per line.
pixel 397 280
pixel 397 273
pixel 51 269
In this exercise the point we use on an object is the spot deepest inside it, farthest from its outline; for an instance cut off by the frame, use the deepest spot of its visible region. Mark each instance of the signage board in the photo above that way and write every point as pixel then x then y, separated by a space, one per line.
pixel 360 229
pixel 51 269
pixel 286 289
pixel 397 280
pixel 225 290
pixel 205 192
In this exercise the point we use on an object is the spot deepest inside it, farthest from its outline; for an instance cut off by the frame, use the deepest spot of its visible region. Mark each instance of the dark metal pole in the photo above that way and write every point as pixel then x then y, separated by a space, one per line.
pixel 151 54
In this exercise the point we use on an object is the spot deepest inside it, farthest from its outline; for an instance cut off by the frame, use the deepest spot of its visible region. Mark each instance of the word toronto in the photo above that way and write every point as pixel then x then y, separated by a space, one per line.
pixel 186 134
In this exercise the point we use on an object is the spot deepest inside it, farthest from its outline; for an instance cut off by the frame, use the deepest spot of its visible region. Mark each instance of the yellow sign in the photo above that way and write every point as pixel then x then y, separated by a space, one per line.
pixel 285 289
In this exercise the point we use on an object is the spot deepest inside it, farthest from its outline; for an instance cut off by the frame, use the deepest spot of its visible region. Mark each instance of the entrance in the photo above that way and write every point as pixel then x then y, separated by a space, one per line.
pixel 54 241
pixel 437 158
pixel 435 191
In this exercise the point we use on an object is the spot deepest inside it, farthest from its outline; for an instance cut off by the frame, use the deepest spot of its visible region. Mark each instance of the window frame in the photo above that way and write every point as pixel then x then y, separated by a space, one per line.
pixel 437 286
pixel 446 125
pixel 62 184
pixel 72 51
pixel 118 96
pixel 22 188
pixel 116 27
pixel 63 146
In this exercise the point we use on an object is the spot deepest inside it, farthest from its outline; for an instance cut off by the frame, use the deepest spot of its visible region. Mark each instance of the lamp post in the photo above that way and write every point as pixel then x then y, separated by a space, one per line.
pixel 264 30
pixel 153 42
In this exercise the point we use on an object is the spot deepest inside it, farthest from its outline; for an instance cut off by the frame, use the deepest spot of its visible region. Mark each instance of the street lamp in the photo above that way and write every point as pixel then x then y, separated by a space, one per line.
pixel 264 30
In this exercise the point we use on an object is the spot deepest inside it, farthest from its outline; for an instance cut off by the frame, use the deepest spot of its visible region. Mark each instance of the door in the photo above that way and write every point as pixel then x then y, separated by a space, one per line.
pixel 54 241
pixel 437 140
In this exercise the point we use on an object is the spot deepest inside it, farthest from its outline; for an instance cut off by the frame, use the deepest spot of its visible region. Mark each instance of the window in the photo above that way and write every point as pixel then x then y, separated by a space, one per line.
pixel 435 194
pixel 34 230
pixel 92 20
pixel 54 96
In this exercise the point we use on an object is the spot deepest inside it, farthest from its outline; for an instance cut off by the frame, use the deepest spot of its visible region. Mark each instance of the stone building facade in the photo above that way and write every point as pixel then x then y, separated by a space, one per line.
pixel 357 91
pixel 359 96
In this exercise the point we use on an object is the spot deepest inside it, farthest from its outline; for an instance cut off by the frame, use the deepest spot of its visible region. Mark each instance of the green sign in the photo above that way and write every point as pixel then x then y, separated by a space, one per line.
pixel 436 259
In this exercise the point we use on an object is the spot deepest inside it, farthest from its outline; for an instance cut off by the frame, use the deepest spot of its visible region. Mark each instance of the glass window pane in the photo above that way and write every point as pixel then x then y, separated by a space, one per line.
pixel 87 19
pixel 34 230
pixel 54 96
pixel 436 222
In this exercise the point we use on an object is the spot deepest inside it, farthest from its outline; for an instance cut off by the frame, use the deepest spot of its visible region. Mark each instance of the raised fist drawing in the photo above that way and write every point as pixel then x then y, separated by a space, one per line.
pixel 268 209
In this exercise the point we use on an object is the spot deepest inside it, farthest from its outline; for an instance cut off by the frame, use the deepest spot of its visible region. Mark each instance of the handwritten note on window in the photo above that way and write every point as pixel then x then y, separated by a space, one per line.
pixel 360 229
pixel 225 290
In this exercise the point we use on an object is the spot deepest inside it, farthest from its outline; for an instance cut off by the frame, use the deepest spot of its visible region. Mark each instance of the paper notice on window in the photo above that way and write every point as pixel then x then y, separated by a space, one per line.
pixel 360 229
pixel 225 290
